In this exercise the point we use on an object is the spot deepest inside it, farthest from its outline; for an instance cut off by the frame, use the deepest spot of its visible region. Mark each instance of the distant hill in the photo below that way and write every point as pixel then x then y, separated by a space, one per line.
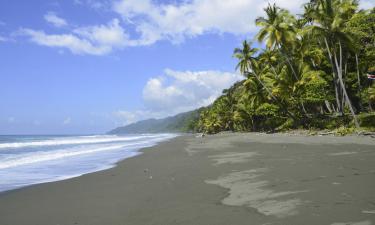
pixel 183 122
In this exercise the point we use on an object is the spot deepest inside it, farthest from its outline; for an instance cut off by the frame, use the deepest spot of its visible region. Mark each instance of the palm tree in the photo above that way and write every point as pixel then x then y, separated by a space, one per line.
pixel 245 56
pixel 250 67
pixel 248 64
pixel 278 31
pixel 329 19
pixel 277 28
pixel 269 58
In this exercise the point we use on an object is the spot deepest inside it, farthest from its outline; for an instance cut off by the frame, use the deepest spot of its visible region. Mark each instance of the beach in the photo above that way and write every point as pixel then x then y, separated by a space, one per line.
pixel 223 179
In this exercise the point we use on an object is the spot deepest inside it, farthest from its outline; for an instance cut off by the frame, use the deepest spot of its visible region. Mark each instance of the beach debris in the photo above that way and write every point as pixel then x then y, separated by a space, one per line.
pixel 326 133
pixel 202 135
pixel 367 133
pixel 147 172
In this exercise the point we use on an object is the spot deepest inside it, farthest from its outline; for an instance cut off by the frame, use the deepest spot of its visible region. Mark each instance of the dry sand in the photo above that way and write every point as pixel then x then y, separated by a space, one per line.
pixel 225 179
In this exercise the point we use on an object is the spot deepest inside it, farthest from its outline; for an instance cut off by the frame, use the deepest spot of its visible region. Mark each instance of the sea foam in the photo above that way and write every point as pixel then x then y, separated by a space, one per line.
pixel 26 160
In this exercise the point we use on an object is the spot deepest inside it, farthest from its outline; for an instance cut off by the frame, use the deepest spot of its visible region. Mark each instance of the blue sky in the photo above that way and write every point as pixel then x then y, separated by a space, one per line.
pixel 87 66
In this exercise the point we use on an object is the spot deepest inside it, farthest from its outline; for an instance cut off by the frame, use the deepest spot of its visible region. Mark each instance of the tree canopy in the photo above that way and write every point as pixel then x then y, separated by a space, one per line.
pixel 311 74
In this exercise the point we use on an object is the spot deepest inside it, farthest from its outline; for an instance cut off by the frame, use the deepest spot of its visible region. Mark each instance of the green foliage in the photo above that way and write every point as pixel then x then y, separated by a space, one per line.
pixel 298 81
pixel 315 89
pixel 367 120
pixel 342 131
pixel 267 110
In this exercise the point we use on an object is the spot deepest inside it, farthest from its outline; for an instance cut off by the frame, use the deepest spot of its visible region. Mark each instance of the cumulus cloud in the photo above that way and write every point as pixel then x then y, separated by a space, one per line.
pixel 179 91
pixel 53 19
pixel 111 34
pixel 185 90
pixel 73 43
pixel 152 21
pixel 94 40
pixel 176 22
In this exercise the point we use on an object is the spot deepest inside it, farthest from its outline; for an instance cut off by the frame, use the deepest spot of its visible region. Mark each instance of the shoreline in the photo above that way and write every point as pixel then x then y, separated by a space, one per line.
pixel 228 178
pixel 136 152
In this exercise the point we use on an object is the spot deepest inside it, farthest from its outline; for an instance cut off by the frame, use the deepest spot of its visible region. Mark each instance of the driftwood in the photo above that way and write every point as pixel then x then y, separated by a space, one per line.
pixel 367 133
pixel 326 133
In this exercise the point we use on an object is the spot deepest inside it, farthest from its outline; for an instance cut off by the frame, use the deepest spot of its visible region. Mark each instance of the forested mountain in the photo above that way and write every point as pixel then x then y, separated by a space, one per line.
pixel 183 122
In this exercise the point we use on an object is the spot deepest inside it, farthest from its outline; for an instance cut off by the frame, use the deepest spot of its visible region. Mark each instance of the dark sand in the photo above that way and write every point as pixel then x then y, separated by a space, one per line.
pixel 226 179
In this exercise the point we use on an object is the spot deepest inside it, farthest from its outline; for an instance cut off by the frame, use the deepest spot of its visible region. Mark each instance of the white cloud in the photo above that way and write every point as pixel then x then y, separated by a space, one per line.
pixel 53 19
pixel 176 22
pixel 153 22
pixel 179 91
pixel 67 121
pixel 94 40
pixel 73 43
pixel 111 34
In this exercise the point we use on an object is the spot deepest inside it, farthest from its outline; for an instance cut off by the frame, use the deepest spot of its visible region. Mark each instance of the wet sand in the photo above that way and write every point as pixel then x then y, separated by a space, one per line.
pixel 225 179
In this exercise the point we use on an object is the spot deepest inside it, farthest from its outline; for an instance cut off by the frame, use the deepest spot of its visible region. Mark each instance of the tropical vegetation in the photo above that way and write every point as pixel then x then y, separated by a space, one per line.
pixel 311 73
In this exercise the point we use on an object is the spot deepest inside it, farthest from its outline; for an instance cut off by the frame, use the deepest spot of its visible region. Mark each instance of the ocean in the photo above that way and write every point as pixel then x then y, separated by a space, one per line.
pixel 27 160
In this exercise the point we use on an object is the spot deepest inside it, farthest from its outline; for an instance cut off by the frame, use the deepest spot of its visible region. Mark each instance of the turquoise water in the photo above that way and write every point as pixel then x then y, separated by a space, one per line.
pixel 27 160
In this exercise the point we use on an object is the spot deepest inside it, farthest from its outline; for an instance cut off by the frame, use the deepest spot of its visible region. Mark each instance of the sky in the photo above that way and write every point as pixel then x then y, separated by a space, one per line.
pixel 88 66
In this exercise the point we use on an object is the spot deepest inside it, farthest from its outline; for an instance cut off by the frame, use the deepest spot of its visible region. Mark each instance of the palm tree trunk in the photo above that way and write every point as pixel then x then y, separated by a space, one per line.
pixel 358 76
pixel 336 83
pixel 359 81
pixel 328 106
pixel 343 86
pixel 289 63
pixel 304 109
pixel 293 71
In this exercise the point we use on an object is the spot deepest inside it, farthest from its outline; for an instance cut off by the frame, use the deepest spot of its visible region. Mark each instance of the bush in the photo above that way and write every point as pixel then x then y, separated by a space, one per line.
pixel 342 131
pixel 367 120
